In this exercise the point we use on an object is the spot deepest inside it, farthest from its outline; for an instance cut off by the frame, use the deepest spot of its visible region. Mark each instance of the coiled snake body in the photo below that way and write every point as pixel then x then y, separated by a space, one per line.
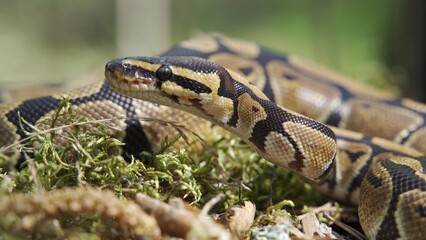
pixel 386 178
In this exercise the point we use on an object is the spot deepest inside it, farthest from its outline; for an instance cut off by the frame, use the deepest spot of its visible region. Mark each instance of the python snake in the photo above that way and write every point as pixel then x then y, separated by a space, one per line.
pixel 385 177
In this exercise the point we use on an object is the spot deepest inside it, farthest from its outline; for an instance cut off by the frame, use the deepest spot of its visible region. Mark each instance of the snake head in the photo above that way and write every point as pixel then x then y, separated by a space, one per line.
pixel 172 75
pixel 187 83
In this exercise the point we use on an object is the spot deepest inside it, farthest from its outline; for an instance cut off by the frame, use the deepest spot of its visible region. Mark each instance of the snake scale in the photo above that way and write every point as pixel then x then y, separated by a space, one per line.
pixel 371 152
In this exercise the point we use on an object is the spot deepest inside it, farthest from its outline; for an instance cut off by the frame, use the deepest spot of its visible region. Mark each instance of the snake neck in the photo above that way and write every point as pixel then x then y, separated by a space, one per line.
pixel 281 136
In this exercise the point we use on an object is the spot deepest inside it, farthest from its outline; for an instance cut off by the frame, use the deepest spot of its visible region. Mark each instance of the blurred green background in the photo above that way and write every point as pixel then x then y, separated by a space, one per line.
pixel 47 41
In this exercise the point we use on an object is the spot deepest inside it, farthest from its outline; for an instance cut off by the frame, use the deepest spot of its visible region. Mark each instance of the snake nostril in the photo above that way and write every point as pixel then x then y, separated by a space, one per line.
pixel 114 66
pixel 108 67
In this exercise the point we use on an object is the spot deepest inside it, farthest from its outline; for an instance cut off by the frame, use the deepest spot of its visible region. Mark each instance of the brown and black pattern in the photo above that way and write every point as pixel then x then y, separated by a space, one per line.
pixel 394 186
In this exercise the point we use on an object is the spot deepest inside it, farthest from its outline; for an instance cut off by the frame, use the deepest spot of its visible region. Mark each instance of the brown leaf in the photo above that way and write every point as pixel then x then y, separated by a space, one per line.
pixel 240 218
pixel 312 225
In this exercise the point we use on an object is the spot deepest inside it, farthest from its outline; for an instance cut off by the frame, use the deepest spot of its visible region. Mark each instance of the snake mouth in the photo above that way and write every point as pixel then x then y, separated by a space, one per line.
pixel 129 80
pixel 127 77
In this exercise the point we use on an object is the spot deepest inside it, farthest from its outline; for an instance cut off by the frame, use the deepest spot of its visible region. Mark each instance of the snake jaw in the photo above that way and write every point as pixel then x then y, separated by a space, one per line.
pixel 124 78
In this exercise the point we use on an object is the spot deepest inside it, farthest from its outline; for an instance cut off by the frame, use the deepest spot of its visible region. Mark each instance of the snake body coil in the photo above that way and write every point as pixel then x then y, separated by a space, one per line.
pixel 385 177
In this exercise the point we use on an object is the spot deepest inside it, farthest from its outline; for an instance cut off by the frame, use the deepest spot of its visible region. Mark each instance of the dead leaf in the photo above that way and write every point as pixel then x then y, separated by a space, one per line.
pixel 312 225
pixel 240 218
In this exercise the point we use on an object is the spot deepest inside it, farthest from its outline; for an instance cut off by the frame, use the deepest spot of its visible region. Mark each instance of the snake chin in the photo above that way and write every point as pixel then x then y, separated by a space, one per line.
pixel 128 81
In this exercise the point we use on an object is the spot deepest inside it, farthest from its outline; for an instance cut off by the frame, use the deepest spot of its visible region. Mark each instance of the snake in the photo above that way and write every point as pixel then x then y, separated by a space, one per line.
pixel 356 144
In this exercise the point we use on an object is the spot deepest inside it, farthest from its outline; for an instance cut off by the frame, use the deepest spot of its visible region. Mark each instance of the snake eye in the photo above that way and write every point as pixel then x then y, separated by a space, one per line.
pixel 164 73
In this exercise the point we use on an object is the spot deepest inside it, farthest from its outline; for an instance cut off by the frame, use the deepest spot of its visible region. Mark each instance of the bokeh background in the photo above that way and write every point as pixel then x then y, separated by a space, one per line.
pixel 379 42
